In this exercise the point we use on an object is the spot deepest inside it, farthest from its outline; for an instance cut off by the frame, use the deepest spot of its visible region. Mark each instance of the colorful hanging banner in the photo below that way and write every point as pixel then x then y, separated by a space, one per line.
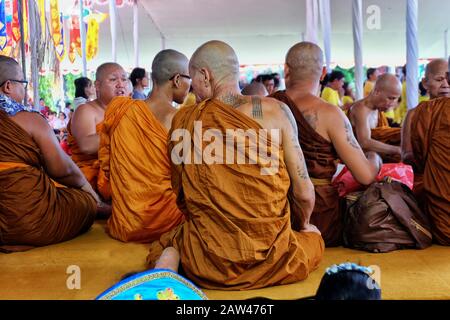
pixel 15 24
pixel 25 20
pixel 75 38
pixel 3 35
pixel 57 29
pixel 41 6
pixel 93 28
pixel 9 35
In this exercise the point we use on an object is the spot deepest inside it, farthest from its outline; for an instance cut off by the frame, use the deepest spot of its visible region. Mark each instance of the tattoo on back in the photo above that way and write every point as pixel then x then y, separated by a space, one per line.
pixel 350 136
pixel 257 108
pixel 311 118
pixel 233 99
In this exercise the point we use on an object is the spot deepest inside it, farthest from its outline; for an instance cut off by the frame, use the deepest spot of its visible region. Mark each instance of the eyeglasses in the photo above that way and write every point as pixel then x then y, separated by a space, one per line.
pixel 24 82
pixel 181 75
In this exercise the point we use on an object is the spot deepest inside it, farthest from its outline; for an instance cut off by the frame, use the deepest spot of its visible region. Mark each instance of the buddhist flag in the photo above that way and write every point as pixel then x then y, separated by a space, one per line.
pixel 94 21
pixel 57 29
pixel 41 5
pixel 3 35
pixel 75 38
pixel 6 51
pixel 15 24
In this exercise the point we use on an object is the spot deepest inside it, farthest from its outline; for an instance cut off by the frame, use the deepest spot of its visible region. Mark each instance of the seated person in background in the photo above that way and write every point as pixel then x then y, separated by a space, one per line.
pixel 348 97
pixel 372 76
pixel 34 211
pixel 84 91
pixel 133 154
pixel 330 93
pixel 437 86
pixel 348 281
pixel 111 81
pixel 139 80
pixel 60 123
pixel 238 233
pixel 369 123
pixel 325 136
pixel 255 89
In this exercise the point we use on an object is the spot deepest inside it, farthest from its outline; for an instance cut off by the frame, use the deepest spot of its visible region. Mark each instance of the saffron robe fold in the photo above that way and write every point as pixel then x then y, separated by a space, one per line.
pixel 34 211
pixel 237 233
pixel 133 154
pixel 321 159
pixel 430 138
pixel 89 164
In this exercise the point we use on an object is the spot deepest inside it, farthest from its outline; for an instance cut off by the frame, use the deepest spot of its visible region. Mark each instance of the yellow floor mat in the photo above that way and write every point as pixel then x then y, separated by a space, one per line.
pixel 41 273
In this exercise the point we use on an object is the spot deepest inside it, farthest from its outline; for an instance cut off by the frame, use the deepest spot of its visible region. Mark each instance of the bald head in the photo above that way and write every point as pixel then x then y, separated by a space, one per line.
pixel 305 62
pixel 217 57
pixel 106 68
pixel 388 81
pixel 436 80
pixel 9 69
pixel 168 63
pixel 255 89
pixel 435 67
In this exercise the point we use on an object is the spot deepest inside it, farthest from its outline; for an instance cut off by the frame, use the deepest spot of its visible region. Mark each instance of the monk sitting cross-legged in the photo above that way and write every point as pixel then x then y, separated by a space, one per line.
pixel 111 81
pixel 325 135
pixel 33 210
pixel 238 233
pixel 370 124
pixel 437 85
pixel 133 152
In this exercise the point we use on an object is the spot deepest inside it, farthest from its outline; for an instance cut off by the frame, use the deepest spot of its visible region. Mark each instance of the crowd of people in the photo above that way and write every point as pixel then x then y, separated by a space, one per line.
pixel 145 166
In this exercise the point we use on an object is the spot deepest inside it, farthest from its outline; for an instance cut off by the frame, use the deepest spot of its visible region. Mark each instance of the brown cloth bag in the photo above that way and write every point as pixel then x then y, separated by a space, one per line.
pixel 384 218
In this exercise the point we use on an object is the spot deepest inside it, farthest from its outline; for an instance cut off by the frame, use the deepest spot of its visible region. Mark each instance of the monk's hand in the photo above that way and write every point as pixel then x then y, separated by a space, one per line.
pixel 310 228
pixel 88 188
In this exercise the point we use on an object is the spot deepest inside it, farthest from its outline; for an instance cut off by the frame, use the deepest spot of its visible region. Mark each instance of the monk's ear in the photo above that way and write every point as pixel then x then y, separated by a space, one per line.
pixel 287 71
pixel 424 83
pixel 7 89
pixel 97 85
pixel 207 76
pixel 324 73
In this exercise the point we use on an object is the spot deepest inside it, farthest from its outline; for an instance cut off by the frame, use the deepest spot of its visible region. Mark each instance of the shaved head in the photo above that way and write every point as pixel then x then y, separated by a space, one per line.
pixel 104 69
pixel 217 57
pixel 388 81
pixel 168 63
pixel 9 69
pixel 436 79
pixel 255 89
pixel 305 61
pixel 435 67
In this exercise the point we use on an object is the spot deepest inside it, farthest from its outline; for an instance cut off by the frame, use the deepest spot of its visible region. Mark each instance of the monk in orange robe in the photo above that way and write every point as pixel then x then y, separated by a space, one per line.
pixel 430 138
pixel 437 86
pixel 133 152
pixel 111 81
pixel 238 233
pixel 34 211
pixel 326 137
pixel 371 126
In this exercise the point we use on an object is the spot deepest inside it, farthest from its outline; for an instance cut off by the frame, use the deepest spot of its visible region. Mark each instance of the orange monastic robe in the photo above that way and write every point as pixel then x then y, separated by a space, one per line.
pixel 321 159
pixel 133 153
pixel 89 165
pixel 386 134
pixel 33 210
pixel 237 233
pixel 430 138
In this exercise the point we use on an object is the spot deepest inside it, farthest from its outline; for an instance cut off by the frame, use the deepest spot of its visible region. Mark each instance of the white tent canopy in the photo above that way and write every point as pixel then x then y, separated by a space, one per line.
pixel 262 31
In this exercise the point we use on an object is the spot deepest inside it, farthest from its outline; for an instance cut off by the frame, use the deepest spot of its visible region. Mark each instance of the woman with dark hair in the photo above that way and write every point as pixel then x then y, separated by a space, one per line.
pixel 139 79
pixel 84 91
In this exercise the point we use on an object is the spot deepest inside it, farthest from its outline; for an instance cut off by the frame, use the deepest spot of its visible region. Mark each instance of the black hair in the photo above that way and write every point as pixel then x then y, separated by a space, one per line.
pixel 81 84
pixel 348 285
pixel 370 72
pixel 136 74
pixel 336 75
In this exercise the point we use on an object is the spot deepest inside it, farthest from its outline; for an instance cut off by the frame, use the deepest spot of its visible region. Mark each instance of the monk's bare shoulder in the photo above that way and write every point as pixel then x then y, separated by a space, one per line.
pixel 31 122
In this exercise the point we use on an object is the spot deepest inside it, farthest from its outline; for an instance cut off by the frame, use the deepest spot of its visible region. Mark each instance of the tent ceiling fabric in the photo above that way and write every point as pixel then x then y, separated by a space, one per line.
pixel 262 31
